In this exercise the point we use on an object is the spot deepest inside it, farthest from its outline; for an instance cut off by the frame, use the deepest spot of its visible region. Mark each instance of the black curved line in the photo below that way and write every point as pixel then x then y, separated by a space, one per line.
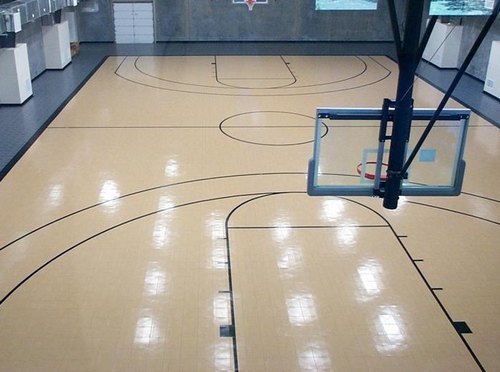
pixel 40 268
pixel 242 195
pixel 170 81
pixel 287 65
pixel 453 211
pixel 481 197
pixel 221 128
pixel 258 95
pixel 422 276
pixel 120 64
pixel 228 254
pixel 294 80
pixel 381 65
pixel 398 238
pixel 272 144
pixel 290 86
pixel 196 180
pixel 365 68
pixel 230 277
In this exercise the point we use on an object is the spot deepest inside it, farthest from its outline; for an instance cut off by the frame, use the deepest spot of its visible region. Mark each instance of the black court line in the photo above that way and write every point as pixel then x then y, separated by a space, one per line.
pixel 413 261
pixel 222 128
pixel 196 180
pixel 102 232
pixel 186 127
pixel 228 255
pixel 262 174
pixel 364 69
pixel 287 65
pixel 5 170
pixel 255 79
pixel 140 127
pixel 230 278
pixel 218 79
pixel 302 227
pixel 481 197
pixel 294 86
pixel 453 211
pixel 387 74
pixel 136 65
pixel 269 126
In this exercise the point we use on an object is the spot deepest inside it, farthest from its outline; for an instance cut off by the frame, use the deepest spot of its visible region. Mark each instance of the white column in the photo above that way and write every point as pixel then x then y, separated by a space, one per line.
pixel 443 48
pixel 15 79
pixel 56 44
pixel 492 83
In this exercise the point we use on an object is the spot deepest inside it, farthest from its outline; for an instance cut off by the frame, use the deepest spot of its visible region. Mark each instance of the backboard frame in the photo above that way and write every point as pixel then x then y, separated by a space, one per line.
pixel 376 188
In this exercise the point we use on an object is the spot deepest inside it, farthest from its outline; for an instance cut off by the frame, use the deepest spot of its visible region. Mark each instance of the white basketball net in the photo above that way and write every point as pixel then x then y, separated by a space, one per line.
pixel 250 4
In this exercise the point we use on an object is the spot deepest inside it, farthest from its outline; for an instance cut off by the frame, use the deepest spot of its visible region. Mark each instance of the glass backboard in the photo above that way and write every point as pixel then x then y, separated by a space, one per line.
pixel 351 160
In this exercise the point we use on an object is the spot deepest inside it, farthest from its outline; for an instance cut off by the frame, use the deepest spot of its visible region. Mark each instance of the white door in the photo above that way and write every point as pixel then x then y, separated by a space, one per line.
pixel 133 22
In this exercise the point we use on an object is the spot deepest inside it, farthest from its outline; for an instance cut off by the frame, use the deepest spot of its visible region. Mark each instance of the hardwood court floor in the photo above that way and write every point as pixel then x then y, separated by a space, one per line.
pixel 161 223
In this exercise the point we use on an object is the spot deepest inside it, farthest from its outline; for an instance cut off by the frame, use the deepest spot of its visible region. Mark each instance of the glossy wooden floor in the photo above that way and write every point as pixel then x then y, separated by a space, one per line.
pixel 161 223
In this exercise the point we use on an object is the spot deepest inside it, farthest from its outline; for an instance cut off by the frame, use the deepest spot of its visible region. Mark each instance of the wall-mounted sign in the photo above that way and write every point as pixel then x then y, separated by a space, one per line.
pixel 346 4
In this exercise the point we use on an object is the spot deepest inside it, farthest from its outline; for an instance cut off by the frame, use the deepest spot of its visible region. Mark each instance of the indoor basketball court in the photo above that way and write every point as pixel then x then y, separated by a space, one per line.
pixel 162 222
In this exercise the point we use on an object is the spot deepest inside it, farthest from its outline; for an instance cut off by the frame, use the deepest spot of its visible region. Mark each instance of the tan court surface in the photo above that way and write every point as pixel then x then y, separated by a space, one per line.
pixel 161 223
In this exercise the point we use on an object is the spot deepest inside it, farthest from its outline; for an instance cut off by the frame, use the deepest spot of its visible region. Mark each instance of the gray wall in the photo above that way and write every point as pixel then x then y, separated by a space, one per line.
pixel 472 28
pixel 96 26
pixel 31 35
pixel 280 20
pixel 220 20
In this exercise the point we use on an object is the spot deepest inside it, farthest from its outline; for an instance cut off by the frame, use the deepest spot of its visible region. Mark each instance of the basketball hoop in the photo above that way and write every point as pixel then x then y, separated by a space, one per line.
pixel 368 175
pixel 250 4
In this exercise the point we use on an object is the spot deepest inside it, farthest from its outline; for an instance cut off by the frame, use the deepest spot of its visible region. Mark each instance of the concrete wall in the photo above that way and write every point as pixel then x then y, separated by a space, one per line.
pixel 96 25
pixel 220 20
pixel 280 20
pixel 31 35
pixel 472 28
